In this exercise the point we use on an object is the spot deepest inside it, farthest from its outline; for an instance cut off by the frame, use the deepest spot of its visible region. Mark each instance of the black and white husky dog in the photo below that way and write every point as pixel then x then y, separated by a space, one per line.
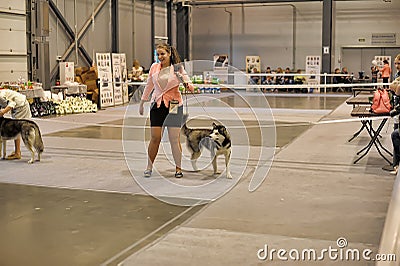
pixel 217 140
pixel 29 132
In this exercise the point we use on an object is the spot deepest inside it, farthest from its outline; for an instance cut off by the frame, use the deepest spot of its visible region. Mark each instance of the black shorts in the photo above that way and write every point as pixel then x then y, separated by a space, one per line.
pixel 160 117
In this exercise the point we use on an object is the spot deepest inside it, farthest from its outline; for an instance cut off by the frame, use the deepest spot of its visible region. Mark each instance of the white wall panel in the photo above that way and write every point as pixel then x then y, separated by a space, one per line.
pixel 13 51
pixel 13 33
pixel 266 31
pixel 12 68
pixel 12 6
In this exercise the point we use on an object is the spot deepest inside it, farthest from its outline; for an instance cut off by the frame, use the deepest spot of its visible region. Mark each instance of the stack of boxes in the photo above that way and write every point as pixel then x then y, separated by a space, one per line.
pixel 88 76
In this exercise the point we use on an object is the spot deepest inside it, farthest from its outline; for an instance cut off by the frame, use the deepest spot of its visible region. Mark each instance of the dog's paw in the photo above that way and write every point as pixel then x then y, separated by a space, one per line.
pixel 228 175
pixel 217 173
pixel 3 158
pixel 30 161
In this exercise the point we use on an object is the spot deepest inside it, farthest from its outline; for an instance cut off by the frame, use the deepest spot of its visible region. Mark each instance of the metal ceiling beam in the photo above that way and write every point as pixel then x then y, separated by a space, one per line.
pixel 218 3
pixel 81 33
pixel 68 29
pixel 61 18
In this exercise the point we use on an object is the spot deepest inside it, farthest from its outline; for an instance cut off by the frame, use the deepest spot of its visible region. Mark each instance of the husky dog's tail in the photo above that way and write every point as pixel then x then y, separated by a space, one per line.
pixel 38 143
pixel 185 129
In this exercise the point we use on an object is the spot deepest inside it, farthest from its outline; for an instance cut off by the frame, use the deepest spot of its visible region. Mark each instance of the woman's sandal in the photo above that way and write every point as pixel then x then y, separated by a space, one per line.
pixel 178 174
pixel 13 156
pixel 147 173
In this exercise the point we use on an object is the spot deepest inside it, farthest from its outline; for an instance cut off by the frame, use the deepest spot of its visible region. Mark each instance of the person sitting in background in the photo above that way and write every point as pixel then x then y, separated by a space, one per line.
pixel 279 79
pixel 255 79
pixel 136 76
pixel 395 136
pixel 299 79
pixel 337 80
pixel 267 80
pixel 137 71
pixel 347 79
pixel 396 96
pixel 288 79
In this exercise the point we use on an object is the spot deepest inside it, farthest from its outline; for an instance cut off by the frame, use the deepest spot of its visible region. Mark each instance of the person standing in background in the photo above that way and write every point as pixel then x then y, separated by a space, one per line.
pixel 374 74
pixel 386 71
pixel 395 136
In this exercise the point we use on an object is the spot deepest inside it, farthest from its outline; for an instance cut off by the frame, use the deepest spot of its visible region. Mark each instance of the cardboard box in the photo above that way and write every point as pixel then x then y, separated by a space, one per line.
pixel 91 85
pixel 78 79
pixel 95 96
pixel 81 70
pixel 90 75
pixel 94 68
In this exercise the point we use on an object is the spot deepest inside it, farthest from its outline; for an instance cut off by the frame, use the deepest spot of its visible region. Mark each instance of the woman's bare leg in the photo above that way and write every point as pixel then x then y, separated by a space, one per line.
pixel 173 134
pixel 156 133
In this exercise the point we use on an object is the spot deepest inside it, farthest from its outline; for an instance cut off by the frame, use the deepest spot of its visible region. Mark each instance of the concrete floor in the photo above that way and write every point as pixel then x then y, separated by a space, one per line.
pixel 85 203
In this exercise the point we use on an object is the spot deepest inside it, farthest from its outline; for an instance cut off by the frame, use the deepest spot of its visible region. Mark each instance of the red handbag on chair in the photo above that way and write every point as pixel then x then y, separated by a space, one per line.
pixel 381 102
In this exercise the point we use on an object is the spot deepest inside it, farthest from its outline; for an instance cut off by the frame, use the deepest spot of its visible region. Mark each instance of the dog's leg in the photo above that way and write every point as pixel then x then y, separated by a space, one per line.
pixel 32 150
pixel 214 162
pixel 215 165
pixel 3 145
pixel 193 160
pixel 28 140
pixel 227 163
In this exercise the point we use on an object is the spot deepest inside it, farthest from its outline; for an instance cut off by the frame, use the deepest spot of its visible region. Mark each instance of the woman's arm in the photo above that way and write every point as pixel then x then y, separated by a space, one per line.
pixel 147 90
pixel 186 80
pixel 150 83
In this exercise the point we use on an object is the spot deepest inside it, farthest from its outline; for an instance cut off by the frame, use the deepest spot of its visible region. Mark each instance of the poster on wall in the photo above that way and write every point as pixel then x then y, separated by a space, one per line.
pixel 124 72
pixel 103 63
pixel 379 60
pixel 221 63
pixel 117 78
pixel 313 69
pixel 253 61
pixel 67 72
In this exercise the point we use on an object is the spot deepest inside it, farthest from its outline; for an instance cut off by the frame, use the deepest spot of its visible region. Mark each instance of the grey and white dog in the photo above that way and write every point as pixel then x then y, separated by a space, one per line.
pixel 217 140
pixel 29 132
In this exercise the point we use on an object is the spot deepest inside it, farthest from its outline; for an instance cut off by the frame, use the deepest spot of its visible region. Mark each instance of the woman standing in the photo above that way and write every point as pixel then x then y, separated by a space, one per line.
pixel 166 104
pixel 386 71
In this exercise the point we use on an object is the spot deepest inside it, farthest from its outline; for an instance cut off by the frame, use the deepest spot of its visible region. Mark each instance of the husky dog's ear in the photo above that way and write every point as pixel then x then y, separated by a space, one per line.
pixel 213 124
